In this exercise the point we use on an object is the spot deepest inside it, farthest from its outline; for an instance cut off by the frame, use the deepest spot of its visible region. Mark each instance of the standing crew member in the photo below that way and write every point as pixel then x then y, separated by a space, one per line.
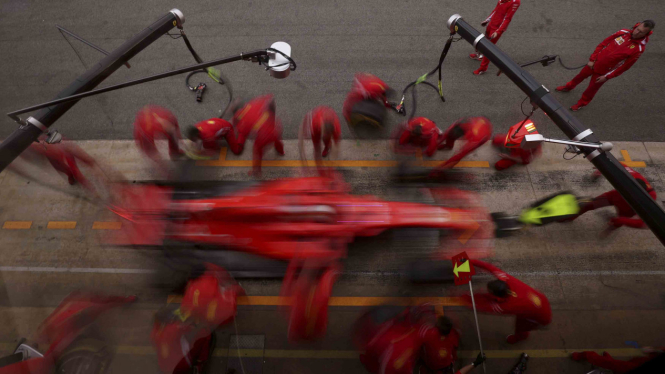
pixel 365 87
pixel 320 124
pixel 511 142
pixel 440 343
pixel 612 57
pixel 183 336
pixel 257 120
pixel 422 133
pixel 439 351
pixel 508 295
pixel 496 23
pixel 208 135
pixel 613 198
pixel 474 130
pixel 154 122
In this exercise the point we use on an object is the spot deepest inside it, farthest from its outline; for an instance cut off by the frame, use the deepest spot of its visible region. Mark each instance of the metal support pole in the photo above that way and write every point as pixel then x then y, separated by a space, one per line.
pixel 475 314
pixel 33 127
pixel 607 164
pixel 225 60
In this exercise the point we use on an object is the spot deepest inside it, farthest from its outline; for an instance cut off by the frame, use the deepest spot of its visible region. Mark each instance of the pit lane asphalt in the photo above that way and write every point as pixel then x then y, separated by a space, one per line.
pixel 396 40
pixel 604 292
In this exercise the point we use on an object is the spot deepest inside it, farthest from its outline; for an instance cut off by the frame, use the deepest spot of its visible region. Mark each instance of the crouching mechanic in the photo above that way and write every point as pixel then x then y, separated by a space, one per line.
pixel 321 124
pixel 475 131
pixel 420 132
pixel 606 361
pixel 508 295
pixel 512 143
pixel 366 87
pixel 208 136
pixel 624 211
pixel 154 122
pixel 257 120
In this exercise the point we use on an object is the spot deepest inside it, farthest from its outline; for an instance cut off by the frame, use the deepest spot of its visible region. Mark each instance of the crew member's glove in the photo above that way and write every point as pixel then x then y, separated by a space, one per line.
pixel 479 359
pixel 484 23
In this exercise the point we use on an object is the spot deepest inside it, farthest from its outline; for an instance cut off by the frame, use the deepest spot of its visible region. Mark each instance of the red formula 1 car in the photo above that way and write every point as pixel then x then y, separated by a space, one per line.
pixel 283 219
pixel 306 221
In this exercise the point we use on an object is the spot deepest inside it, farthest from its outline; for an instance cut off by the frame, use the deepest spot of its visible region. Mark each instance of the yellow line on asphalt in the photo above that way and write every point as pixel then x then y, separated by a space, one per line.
pixel 61 225
pixel 99 225
pixel 17 225
pixel 222 161
pixel 344 301
pixel 627 161
pixel 337 163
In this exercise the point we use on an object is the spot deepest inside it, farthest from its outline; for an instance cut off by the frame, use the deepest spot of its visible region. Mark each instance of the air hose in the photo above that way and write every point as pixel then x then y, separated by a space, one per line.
pixel 213 73
pixel 423 79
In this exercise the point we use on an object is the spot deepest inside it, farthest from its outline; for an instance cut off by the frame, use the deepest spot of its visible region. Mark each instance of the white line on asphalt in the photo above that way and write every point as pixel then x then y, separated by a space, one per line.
pixel 36 269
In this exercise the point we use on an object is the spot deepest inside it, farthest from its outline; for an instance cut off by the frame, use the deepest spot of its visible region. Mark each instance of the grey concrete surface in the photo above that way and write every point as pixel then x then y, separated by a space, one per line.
pixel 604 291
pixel 398 41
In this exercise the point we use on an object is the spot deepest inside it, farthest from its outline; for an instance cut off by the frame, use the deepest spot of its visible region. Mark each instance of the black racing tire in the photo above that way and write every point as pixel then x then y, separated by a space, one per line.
pixel 368 113
pixel 84 356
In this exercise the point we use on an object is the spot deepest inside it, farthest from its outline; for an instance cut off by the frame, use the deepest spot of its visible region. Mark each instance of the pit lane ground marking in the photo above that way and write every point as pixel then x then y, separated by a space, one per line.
pixel 627 161
pixel 61 225
pixel 222 161
pixel 98 225
pixel 17 225
pixel 359 301
pixel 350 354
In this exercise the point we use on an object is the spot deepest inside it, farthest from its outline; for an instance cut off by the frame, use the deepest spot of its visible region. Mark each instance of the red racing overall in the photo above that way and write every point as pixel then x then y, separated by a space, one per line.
pixel 474 130
pixel 439 351
pixel 612 57
pixel 512 141
pixel 365 87
pixel 606 361
pixel 624 211
pixel 422 133
pixel 213 130
pixel 257 120
pixel 530 306
pixel 63 158
pixel 154 122
pixel 316 123
pixel 498 22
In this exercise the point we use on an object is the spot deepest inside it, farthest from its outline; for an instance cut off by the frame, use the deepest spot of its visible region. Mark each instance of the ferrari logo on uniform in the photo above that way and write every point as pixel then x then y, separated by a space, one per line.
pixel 632 46
pixel 443 353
